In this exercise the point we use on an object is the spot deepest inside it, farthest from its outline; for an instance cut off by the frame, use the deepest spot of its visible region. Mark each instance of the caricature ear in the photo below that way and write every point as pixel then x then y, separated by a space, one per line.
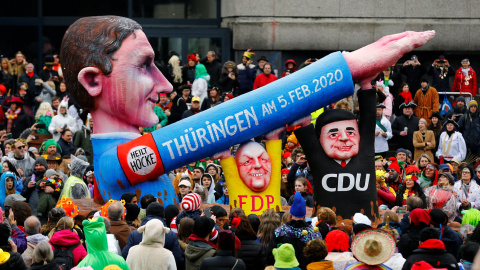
pixel 91 79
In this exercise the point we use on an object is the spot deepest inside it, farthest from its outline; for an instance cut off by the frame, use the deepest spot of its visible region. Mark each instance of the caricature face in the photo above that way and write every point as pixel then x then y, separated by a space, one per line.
pixel 131 90
pixel 340 140
pixel 254 166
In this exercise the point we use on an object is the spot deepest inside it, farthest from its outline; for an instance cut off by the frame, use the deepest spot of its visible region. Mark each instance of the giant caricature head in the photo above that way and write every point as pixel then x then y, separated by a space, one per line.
pixel 338 133
pixel 108 67
pixel 254 166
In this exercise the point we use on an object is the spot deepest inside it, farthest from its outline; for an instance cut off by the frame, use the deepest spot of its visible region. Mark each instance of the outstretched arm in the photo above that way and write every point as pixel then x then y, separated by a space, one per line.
pixel 366 62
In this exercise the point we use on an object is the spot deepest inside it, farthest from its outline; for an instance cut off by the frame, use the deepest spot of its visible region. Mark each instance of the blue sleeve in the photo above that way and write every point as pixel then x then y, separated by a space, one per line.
pixel 130 243
pixel 171 243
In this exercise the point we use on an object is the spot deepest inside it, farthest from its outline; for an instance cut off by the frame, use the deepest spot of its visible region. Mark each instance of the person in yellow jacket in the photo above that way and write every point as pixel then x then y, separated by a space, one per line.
pixel 75 187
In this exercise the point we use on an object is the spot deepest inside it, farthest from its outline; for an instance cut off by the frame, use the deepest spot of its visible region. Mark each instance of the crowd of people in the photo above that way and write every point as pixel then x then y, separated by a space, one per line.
pixel 428 188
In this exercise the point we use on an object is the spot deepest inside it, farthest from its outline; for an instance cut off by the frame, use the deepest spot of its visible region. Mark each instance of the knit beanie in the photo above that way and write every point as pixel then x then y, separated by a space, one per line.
pixel 191 202
pixel 298 208
pixel 428 233
pixel 41 161
pixel 132 211
pixel 155 209
pixel 473 103
pixel 50 172
pixel 419 215
pixel 226 240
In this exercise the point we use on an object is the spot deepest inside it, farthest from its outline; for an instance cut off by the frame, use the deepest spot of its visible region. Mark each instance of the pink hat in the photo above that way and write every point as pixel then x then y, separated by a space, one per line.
pixel 191 202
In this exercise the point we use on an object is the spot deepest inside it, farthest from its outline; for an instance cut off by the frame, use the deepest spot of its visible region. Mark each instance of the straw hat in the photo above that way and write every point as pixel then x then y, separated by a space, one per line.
pixel 373 246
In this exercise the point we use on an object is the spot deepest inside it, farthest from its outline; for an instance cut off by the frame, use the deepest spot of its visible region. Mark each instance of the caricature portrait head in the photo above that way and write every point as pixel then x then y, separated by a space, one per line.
pixel 338 134
pixel 109 69
pixel 254 166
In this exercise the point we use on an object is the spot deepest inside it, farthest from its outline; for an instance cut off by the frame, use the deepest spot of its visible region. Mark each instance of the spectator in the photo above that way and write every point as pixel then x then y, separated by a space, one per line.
pixel 151 254
pixel 405 125
pixel 436 127
pixel 48 73
pixel 442 196
pixel 212 100
pixel 229 80
pixel 155 211
pixel 409 240
pixel 383 132
pixel 465 80
pixel 385 195
pixel 451 144
pixel 188 71
pixel 17 120
pixel 423 140
pixel 426 99
pixel 405 96
pixel 162 120
pixel 208 183
pixel 9 180
pixel 75 187
pixel 44 116
pixel 99 255
pixel 65 142
pixel 199 246
pixel 431 250
pixel 46 93
pixel 414 71
pixel 62 121
pixel 411 188
pixel 423 161
pixel 264 78
pixel 43 257
pixel 458 110
pixel 292 232
pixel 224 199
pixel 225 257
pixel 467 257
pixel 468 191
pixel 429 175
pixel 184 231
pixel 388 101
pixel 56 104
pixel 260 65
pixel 395 179
pixel 174 74
pixel 118 226
pixel 30 78
pixel 285 257
pixel 184 188
pixel 53 217
pixel 201 83
pixel 132 215
pixel 9 252
pixel 65 237
pixel 62 93
pixel 6 75
pixel 372 248
pixel 171 212
pixel 441 72
pixel 246 73
pixel 301 187
pixel 449 237
pixel 111 240
pixel 290 67
pixel 214 68
pixel 29 191
pixel 468 126
pixel 179 106
pixel 82 138
pixel 164 102
pixel 251 251
pixel 315 252
pixel 145 201
pixel 195 108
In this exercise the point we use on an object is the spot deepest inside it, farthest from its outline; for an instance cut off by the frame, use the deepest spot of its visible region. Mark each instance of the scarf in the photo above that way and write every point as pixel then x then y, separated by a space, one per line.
pixel 466 188
pixel 408 193
pixel 379 124
pixel 465 71
pixel 447 150
pixel 424 90
pixel 30 74
pixel 407 96
pixel 11 115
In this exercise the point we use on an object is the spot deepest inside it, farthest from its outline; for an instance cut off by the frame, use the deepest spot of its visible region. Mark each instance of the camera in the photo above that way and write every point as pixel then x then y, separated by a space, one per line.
pixel 441 61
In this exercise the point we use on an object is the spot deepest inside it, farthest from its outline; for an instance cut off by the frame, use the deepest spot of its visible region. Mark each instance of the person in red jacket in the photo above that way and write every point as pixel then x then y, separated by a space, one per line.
pixel 290 67
pixel 465 80
pixel 64 236
pixel 265 78
pixel 385 195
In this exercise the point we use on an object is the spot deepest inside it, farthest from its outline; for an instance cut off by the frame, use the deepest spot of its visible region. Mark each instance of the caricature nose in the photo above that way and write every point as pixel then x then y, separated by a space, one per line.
pixel 343 136
pixel 257 164
pixel 162 85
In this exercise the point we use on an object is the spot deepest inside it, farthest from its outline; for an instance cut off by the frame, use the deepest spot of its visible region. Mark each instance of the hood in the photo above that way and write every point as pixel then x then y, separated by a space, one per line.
pixel 295 229
pixel 65 238
pixel 230 64
pixel 4 177
pixel 211 189
pixel 153 232
pixel 150 217
pixel 293 62
pixel 95 235
pixel 196 249
pixel 432 244
pixel 78 166
pixel 36 238
pixel 64 104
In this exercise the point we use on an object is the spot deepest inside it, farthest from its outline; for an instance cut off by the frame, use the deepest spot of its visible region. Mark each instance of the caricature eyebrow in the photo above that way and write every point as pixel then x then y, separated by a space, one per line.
pixel 333 130
pixel 350 128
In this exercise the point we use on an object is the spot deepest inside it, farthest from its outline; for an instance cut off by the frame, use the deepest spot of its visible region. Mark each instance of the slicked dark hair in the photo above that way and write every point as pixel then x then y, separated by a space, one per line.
pixel 91 42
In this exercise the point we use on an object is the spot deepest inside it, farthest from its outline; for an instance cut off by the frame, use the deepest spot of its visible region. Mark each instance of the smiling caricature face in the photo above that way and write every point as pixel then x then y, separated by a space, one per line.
pixel 340 140
pixel 131 89
pixel 254 166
